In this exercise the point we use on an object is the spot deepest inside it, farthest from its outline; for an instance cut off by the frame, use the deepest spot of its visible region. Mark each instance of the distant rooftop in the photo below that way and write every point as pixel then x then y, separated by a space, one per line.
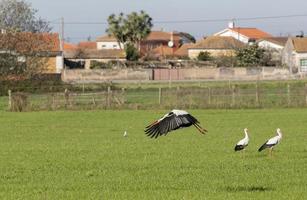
pixel 251 32
pixel 218 42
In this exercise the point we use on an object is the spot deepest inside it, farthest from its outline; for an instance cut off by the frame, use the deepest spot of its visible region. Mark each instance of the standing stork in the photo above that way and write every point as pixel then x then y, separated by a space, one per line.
pixel 242 143
pixel 172 121
pixel 271 143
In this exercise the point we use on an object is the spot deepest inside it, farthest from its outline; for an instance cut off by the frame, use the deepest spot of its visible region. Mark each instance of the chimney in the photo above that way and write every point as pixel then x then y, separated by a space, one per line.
pixel 172 36
pixel 231 24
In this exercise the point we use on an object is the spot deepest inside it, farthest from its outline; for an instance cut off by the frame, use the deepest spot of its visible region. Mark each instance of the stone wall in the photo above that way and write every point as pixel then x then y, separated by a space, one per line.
pixel 208 73
pixel 105 75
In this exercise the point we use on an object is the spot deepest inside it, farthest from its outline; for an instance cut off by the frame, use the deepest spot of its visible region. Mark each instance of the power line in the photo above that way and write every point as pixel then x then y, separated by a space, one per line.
pixel 195 20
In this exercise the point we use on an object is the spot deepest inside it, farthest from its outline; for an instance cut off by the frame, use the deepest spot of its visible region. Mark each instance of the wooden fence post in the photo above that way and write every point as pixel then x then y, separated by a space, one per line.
pixel 160 95
pixel 93 100
pixel 233 97
pixel 109 97
pixel 289 94
pixel 209 96
pixel 10 99
pixel 177 96
pixel 53 101
pixel 66 95
pixel 257 94
pixel 123 96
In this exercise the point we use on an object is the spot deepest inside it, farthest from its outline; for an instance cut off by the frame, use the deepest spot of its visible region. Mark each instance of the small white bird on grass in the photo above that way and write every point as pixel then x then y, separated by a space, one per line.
pixel 173 120
pixel 271 143
pixel 242 143
pixel 125 134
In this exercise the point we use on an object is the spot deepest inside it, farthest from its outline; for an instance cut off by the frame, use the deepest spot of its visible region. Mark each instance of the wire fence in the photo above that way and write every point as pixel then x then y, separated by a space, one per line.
pixel 162 98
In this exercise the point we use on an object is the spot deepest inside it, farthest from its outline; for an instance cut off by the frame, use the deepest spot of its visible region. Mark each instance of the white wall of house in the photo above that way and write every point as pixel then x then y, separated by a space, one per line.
pixel 288 55
pixel 269 45
pixel 59 64
pixel 231 33
pixel 301 62
pixel 109 45
pixel 193 53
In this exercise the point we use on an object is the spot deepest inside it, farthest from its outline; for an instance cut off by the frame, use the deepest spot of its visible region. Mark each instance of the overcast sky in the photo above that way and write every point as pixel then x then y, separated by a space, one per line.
pixel 174 10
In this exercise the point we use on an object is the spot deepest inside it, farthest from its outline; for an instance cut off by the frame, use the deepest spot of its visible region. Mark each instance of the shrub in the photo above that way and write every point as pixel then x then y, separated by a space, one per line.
pixel 250 56
pixel 204 56
pixel 132 53
pixel 225 61
pixel 19 102
pixel 106 65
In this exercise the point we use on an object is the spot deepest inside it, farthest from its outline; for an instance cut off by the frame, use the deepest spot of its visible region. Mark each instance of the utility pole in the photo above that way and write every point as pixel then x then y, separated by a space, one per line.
pixel 62 41
pixel 62 35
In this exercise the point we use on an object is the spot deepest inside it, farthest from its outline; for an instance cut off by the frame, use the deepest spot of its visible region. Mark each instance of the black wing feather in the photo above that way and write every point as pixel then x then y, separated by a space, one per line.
pixel 170 123
pixel 164 126
pixel 264 146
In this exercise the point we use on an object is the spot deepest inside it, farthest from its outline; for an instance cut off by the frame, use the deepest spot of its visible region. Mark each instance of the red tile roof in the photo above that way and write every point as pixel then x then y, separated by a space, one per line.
pixel 27 42
pixel 162 36
pixel 251 32
pixel 87 45
pixel 162 51
pixel 69 46
pixel 106 38
pixel 183 50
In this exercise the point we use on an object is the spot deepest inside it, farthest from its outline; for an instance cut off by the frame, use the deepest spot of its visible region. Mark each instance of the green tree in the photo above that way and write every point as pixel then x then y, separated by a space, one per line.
pixel 132 53
pixel 117 28
pixel 250 56
pixel 138 27
pixel 132 28
pixel 19 15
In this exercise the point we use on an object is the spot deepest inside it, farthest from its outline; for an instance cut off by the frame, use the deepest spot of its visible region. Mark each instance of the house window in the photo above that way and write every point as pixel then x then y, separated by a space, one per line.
pixel 115 46
pixel 303 64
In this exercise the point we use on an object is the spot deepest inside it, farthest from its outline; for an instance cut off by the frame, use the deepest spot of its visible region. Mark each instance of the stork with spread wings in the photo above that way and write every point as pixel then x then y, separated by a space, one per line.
pixel 172 121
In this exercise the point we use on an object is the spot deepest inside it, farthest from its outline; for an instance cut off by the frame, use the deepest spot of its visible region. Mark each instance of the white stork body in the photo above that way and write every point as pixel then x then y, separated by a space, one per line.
pixel 173 120
pixel 242 143
pixel 271 143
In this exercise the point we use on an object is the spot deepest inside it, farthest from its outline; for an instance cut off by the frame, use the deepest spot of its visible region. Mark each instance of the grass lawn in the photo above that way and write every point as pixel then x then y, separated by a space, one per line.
pixel 83 155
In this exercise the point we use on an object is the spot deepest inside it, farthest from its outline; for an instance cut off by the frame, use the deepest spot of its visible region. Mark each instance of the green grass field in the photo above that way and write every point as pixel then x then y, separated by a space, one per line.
pixel 83 155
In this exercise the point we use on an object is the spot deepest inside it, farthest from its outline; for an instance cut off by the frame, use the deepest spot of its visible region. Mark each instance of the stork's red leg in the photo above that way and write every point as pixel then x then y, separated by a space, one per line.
pixel 201 130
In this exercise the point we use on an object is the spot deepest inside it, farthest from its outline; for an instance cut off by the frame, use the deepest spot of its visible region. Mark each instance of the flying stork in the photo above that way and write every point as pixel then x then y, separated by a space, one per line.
pixel 271 143
pixel 242 143
pixel 172 121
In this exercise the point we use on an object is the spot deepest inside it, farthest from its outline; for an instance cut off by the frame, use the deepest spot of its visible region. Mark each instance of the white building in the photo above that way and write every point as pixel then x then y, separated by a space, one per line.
pixel 245 35
pixel 274 43
pixel 108 42
pixel 275 46
pixel 294 54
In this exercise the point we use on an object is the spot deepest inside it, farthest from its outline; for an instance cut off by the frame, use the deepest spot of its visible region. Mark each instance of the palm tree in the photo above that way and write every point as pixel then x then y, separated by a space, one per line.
pixel 117 28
